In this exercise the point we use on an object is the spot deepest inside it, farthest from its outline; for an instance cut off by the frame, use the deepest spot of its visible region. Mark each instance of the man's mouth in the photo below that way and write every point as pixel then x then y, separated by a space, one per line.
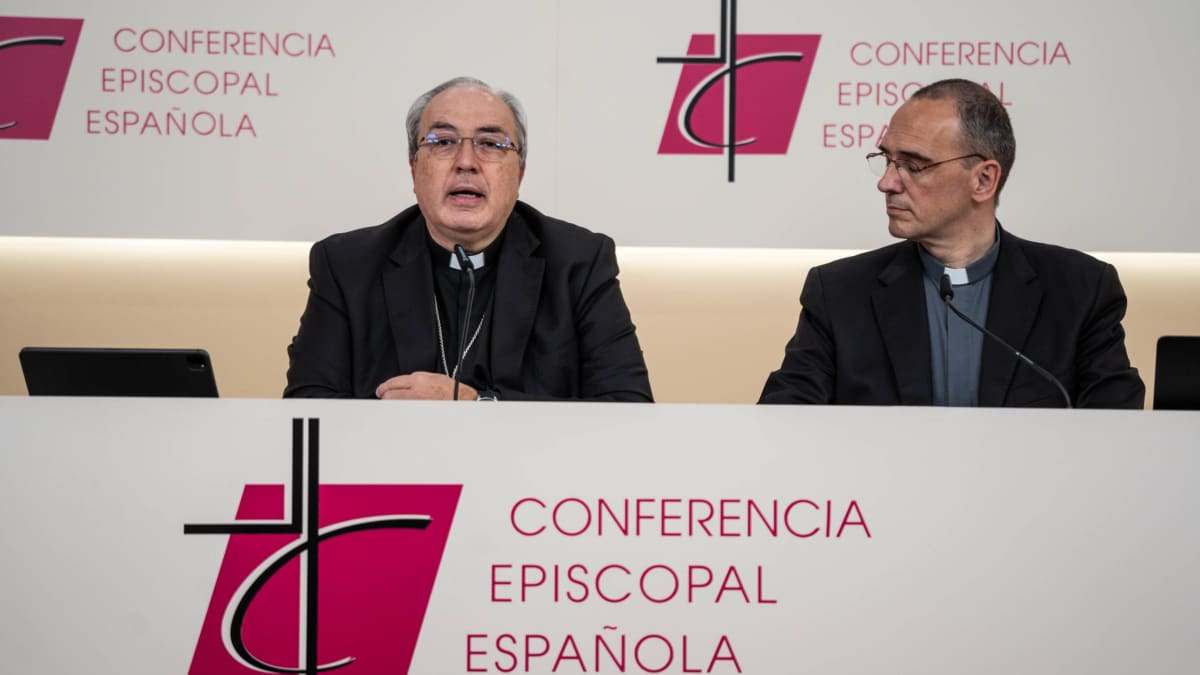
pixel 466 194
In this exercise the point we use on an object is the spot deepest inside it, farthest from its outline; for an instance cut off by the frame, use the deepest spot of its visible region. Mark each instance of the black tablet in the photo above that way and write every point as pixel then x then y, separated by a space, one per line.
pixel 77 371
pixel 1177 373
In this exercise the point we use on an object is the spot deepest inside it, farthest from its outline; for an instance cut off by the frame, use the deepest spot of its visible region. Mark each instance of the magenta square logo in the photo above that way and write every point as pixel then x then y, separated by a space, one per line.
pixel 737 94
pixel 380 550
pixel 772 74
pixel 336 577
pixel 35 59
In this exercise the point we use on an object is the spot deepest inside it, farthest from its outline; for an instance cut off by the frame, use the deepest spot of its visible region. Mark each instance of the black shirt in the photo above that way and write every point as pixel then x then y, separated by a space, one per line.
pixel 451 287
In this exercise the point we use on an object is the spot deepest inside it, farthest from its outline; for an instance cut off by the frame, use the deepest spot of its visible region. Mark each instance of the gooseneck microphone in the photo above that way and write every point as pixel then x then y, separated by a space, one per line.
pixel 947 292
pixel 465 264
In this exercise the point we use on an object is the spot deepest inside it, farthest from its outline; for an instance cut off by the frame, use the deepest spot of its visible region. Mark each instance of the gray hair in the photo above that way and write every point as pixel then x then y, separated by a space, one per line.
pixel 418 108
pixel 982 120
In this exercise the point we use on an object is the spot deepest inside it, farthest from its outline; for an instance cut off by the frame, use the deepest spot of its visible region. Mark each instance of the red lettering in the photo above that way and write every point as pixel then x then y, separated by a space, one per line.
pixel 512 517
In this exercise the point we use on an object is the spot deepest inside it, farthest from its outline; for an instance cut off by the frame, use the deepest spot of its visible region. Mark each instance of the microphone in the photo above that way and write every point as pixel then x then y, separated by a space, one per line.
pixel 947 292
pixel 464 262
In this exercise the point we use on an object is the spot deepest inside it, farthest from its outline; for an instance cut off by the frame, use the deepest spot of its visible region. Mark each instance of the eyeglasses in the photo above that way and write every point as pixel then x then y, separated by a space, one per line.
pixel 488 147
pixel 878 161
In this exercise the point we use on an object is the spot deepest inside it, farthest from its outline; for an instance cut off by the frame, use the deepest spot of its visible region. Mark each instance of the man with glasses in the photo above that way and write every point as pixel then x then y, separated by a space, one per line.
pixel 385 314
pixel 877 329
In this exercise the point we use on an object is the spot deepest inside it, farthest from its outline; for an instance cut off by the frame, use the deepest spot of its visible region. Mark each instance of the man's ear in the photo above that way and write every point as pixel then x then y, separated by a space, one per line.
pixel 987 180
pixel 412 171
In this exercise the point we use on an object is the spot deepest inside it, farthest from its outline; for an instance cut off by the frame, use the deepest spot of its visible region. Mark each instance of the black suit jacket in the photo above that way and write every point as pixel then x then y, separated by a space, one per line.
pixel 561 329
pixel 863 336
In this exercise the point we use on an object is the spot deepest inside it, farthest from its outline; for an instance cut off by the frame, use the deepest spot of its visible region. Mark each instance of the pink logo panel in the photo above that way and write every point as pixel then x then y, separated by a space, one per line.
pixel 770 73
pixel 374 580
pixel 35 59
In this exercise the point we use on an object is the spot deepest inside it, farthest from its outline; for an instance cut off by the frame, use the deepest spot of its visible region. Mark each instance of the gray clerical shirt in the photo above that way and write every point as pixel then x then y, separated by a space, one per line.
pixel 956 348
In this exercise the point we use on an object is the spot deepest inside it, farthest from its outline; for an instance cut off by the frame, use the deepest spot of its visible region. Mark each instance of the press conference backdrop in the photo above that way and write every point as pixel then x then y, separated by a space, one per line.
pixel 284 120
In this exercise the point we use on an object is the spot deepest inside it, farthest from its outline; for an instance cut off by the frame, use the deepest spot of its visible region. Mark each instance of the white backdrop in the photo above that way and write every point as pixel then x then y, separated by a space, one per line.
pixel 1099 165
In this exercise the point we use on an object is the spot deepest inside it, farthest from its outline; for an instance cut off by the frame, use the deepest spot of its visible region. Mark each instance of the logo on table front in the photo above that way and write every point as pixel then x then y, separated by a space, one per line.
pixel 342 584
pixel 737 94
pixel 35 58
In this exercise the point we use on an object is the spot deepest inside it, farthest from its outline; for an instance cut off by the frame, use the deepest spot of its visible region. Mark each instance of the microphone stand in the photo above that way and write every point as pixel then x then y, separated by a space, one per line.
pixel 947 292
pixel 464 262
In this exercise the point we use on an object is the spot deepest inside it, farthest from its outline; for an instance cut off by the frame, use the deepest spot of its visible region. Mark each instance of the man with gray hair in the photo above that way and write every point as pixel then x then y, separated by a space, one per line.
pixel 387 307
pixel 881 328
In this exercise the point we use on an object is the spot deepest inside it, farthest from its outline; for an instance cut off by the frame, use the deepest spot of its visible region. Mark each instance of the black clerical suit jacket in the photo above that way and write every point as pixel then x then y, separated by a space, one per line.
pixel 863 335
pixel 560 326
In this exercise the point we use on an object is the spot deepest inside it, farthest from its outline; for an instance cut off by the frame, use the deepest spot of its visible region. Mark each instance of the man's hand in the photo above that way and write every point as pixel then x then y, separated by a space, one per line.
pixel 425 386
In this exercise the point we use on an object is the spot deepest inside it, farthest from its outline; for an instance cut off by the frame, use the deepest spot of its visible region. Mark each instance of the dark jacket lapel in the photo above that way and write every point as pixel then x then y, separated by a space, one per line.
pixel 518 288
pixel 1012 308
pixel 899 305
pixel 408 292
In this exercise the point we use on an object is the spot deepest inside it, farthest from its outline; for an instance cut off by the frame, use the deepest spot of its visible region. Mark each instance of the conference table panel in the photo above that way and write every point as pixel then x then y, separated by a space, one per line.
pixel 238 536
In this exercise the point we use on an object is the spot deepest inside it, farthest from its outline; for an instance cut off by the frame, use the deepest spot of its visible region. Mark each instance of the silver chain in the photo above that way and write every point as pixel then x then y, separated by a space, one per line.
pixel 441 342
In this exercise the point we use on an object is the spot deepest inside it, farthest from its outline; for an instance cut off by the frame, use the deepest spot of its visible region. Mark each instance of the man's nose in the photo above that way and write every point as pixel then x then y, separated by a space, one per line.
pixel 890 180
pixel 464 155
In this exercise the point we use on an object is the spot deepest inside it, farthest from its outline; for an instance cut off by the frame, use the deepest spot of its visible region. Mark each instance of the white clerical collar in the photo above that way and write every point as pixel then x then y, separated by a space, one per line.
pixel 958 275
pixel 476 260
